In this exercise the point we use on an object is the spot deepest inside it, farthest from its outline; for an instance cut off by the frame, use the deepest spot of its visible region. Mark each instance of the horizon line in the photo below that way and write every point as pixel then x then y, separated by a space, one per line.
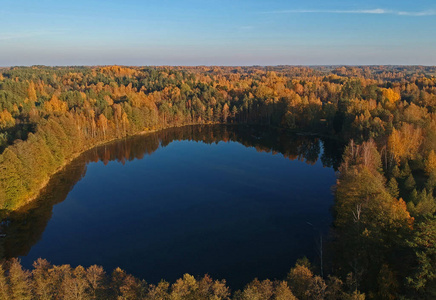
pixel 215 65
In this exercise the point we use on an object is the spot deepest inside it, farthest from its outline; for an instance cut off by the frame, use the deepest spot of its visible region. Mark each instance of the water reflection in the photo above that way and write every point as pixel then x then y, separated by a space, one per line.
pixel 24 228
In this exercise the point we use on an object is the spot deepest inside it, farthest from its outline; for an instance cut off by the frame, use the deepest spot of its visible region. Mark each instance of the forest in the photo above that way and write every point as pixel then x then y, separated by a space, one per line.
pixel 384 232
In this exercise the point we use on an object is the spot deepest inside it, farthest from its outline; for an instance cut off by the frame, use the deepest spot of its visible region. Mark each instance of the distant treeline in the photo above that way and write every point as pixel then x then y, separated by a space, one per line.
pixel 384 236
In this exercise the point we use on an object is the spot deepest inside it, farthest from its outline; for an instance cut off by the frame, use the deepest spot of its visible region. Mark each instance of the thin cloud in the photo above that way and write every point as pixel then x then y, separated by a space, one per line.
pixel 418 13
pixel 377 11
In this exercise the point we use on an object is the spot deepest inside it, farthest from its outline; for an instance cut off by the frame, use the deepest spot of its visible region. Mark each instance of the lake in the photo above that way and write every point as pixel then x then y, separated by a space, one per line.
pixel 229 201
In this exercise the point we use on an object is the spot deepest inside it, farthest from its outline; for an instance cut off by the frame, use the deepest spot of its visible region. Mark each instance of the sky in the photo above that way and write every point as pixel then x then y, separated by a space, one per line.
pixel 213 32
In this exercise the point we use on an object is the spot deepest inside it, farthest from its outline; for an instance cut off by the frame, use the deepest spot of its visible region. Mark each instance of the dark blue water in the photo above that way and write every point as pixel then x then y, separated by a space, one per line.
pixel 221 208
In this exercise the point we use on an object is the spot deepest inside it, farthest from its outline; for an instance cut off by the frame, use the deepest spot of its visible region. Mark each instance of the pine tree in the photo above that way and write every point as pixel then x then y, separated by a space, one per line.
pixel 406 171
pixel 393 188
pixel 410 183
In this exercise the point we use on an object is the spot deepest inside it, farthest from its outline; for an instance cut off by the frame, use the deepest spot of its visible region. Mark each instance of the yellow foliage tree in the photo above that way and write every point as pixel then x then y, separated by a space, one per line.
pixel 391 95
pixel 108 100
pixel 404 143
pixel 6 119
pixel 55 105
pixel 31 92
pixel 226 112
pixel 102 123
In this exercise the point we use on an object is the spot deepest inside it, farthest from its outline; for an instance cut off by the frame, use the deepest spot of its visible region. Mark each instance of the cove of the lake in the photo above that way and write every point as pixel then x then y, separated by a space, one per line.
pixel 229 201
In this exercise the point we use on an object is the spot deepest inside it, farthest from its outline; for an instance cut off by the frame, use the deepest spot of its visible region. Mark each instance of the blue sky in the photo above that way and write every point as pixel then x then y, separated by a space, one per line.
pixel 212 32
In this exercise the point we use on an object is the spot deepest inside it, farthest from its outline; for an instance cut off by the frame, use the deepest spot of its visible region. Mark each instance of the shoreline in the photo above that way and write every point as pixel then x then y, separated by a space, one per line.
pixel 44 184
pixel 76 155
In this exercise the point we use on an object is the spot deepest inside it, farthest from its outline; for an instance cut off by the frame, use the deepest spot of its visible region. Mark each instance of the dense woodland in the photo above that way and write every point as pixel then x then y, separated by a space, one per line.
pixel 383 243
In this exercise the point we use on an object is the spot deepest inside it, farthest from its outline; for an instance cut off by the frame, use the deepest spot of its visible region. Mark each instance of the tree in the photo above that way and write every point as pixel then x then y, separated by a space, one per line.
pixel 404 143
pixel 210 289
pixel 31 92
pixel 55 105
pixel 266 290
pixel 184 288
pixel 388 285
pixel 391 95
pixel 317 288
pixel 75 286
pixel 422 204
pixel 102 124
pixel 158 292
pixel 43 284
pixel 225 112
pixel 95 276
pixel 392 187
pixel 430 164
pixel 299 279
pixel 19 281
pixel 423 245
pixel 6 120
pixel 4 287
pixel 410 183
pixel 257 290
pixel 234 112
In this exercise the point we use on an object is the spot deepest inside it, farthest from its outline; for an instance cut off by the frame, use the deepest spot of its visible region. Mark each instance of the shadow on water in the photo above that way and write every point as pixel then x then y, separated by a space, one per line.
pixel 24 228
